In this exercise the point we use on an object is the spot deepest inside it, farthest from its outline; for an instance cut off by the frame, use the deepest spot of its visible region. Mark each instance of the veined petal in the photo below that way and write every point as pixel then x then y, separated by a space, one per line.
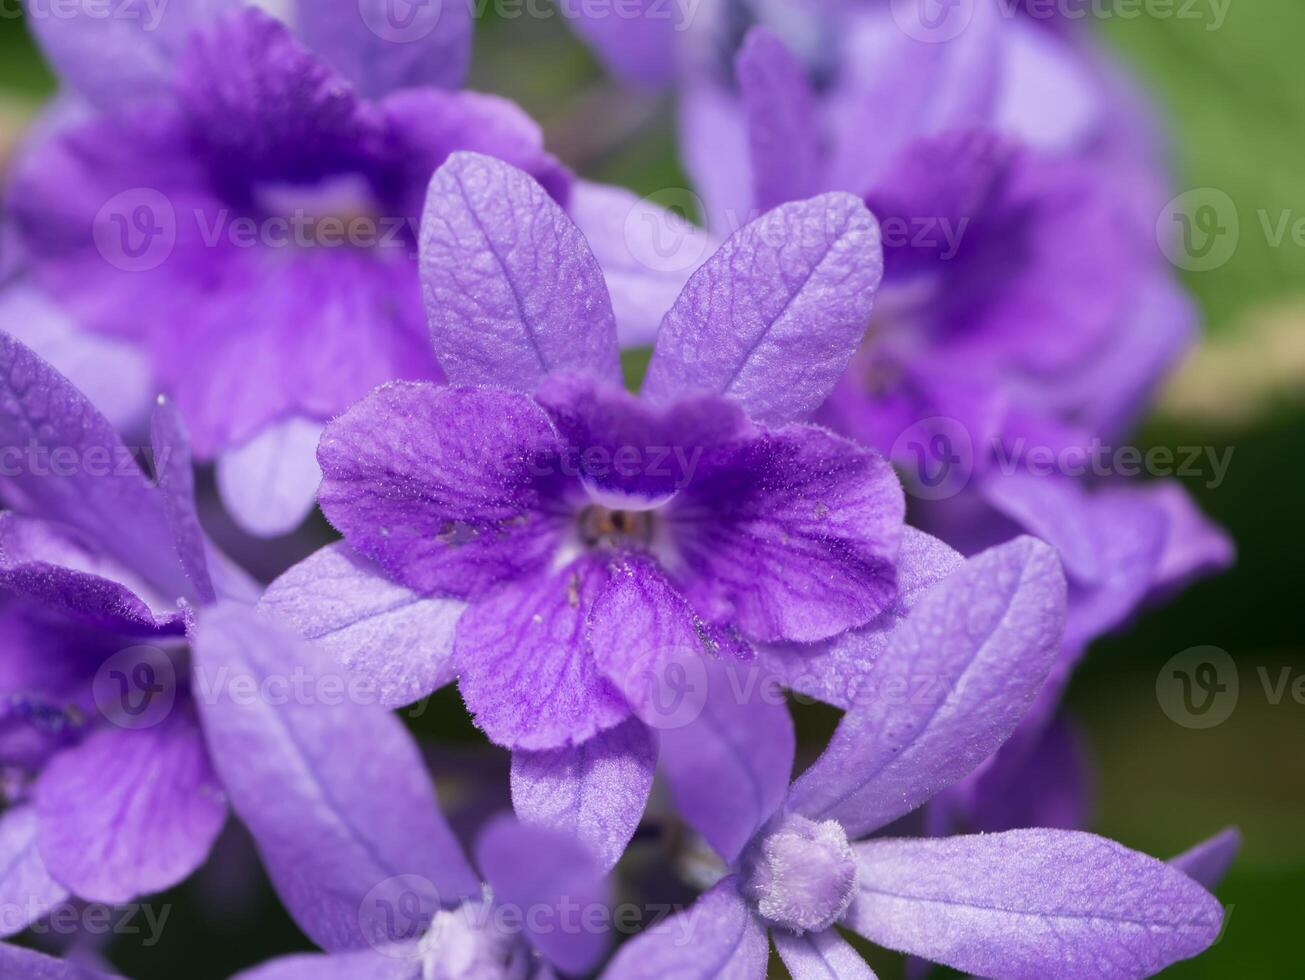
pixel 447 489
pixel 790 535
pixel 1031 904
pixel 343 604
pixel 773 318
pixel 596 791
pixel 525 667
pixel 952 685
pixel 716 938
pixel 335 793
pixel 513 292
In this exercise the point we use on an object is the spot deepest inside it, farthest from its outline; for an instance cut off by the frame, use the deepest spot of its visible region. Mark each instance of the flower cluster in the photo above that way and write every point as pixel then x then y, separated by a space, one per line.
pixel 355 287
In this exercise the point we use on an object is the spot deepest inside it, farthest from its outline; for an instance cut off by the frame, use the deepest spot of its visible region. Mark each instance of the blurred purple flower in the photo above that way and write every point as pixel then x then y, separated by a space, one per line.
pixel 1029 903
pixel 242 204
pixel 109 790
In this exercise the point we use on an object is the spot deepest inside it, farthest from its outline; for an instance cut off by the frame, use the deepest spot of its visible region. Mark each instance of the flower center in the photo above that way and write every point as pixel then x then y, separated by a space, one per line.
pixel 802 875
pixel 601 527
pixel 463 944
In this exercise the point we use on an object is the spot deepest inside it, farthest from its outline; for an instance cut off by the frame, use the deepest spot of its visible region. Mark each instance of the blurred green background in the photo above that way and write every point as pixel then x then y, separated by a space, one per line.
pixel 1237 101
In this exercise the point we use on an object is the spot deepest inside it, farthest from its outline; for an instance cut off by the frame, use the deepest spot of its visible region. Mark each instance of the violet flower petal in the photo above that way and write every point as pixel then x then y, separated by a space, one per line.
pixel 898 89
pixel 780 109
pixel 269 483
pixel 823 955
pixel 120 62
pixel 176 482
pixel 955 681
pixel 790 535
pixel 596 791
pixel 102 493
pixel 1029 904
pixel 363 42
pixel 638 46
pixel 553 882
pixel 1209 861
pixel 129 812
pixel 513 292
pixel 641 630
pixel 773 318
pixel 26 887
pixel 398 640
pixel 334 793
pixel 53 571
pixel 16 961
pixel 834 670
pixel 366 964
pixel 728 768
pixel 716 938
pixel 443 487
pixel 525 668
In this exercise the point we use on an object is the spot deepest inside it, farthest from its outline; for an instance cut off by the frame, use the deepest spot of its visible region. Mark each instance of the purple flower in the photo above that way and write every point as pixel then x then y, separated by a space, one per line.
pixel 341 806
pixel 1029 903
pixel 565 549
pixel 240 202
pixel 109 788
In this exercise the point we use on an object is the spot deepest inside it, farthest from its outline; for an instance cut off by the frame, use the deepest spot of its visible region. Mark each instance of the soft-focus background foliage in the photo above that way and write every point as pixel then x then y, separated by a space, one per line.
pixel 1237 100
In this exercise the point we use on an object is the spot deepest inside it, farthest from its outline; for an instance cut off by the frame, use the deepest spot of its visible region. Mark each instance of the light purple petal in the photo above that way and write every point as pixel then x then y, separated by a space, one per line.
pixel 365 964
pixel 637 43
pixel 596 791
pixel 113 374
pixel 714 143
pixel 117 61
pixel 27 892
pixel 898 87
pixel 512 290
pixel 552 880
pixel 332 788
pixel 834 671
pixel 52 570
pixel 1030 904
pixel 398 639
pixel 15 961
pixel 773 318
pixel 716 938
pixel 1194 546
pixel 130 812
pixel 647 252
pixel 821 955
pixel 269 484
pixel 80 473
pixel 789 535
pixel 176 482
pixel 728 768
pixel 783 124
pixel 956 679
pixel 445 488
pixel 380 46
pixel 1210 860
pixel 525 668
